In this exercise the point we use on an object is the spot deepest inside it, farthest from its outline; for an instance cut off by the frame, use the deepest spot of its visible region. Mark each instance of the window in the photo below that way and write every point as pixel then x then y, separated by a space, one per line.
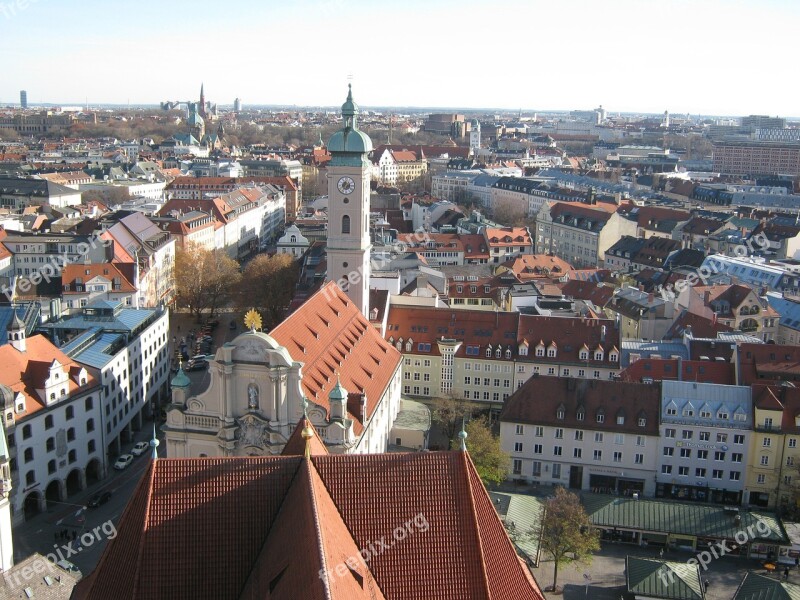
pixel 734 475
pixel 601 417
pixel 686 453
pixel 51 467
pixel 702 454
pixel 90 446
pixel 722 415
pixel 672 411
pixel 669 451
pixel 577 453
pixel 580 414
pixel 537 448
pixel 716 473
pixel 699 472
pixel 764 460
pixel 517 446
pixel 620 420
pixel 559 433
pixel 537 468
pixel 666 469
pixel 792 442
pixel 767 422
pixel 766 442
pixel 598 437
pixel 560 413
pixel 578 435
pixel 28 455
pixel 719 456
pixel 705 436
pixel 688 411
pixel 50 445
pixel 619 439
pixel 683 471
pixel 71 434
pixel 517 466
pixel 345 224
pixel 736 457
pixel 617 456
pixel 687 434
pixel 539 431
pixel 640 440
pixel 598 455
pixel 761 478
pixel 669 433
pixel 26 432
pixel 638 459
pixel 722 438
pixel 738 439
pixel 520 430
pixel 642 422
pixel 556 471
pixel 70 413
pixel 556 450
pixel 48 422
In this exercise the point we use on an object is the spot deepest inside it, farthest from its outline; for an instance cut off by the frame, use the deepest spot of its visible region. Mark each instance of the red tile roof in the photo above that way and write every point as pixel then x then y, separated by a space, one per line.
pixel 88 272
pixel 768 363
pixel 570 334
pixel 535 266
pixel 27 371
pixel 539 399
pixel 502 237
pixel 332 338
pixel 663 369
pixel 296 445
pixel 264 527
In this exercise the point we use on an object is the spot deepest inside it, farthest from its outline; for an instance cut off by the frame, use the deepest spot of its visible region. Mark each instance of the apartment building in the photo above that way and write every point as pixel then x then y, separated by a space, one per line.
pixel 705 442
pixel 584 435
pixel 752 157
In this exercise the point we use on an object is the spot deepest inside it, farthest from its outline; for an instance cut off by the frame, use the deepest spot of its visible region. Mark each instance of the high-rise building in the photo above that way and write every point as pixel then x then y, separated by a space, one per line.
pixel 237 105
pixel 23 99
pixel 348 208
pixel 202 107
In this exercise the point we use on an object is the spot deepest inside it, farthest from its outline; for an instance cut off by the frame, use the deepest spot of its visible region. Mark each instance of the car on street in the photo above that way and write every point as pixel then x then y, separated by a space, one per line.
pixel 140 448
pixel 69 567
pixel 197 365
pixel 123 462
pixel 99 499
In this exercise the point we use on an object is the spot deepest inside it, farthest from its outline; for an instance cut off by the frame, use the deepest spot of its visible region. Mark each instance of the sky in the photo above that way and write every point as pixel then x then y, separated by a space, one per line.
pixel 709 57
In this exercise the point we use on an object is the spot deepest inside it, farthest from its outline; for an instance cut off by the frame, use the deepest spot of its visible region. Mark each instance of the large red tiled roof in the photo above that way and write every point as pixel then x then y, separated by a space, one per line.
pixel 662 369
pixel 570 335
pixel 333 339
pixel 768 363
pixel 535 266
pixel 296 445
pixel 87 272
pixel 264 527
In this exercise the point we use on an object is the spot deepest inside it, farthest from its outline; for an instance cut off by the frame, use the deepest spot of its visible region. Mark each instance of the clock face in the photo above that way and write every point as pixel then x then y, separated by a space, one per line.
pixel 346 185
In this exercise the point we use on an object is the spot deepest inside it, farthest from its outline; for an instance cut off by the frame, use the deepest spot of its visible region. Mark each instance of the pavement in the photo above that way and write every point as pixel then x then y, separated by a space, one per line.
pixel 606 573
pixel 92 527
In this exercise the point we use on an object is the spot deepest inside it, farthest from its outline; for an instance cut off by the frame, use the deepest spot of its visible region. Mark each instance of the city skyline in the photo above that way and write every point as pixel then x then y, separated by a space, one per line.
pixel 621 54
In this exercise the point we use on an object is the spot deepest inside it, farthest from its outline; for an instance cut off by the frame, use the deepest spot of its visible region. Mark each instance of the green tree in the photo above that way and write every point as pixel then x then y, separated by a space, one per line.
pixel 205 280
pixel 449 413
pixel 510 213
pixel 567 533
pixel 268 285
pixel 484 449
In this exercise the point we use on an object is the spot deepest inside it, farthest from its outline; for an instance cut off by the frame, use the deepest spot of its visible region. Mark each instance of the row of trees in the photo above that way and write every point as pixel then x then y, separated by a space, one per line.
pixel 208 280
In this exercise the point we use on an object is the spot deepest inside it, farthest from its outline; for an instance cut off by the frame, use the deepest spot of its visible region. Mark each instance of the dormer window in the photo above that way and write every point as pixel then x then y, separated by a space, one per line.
pixel 583 354
pixel 489 352
pixel 523 351
pixel 551 351
pixel 560 412
pixel 688 410
pixel 498 353
pixel 621 417
pixel 672 410
pixel 598 355
pixel 613 356
pixel 581 414
pixel 539 350
pixel 601 416
pixel 722 415
pixel 508 353
pixel 642 422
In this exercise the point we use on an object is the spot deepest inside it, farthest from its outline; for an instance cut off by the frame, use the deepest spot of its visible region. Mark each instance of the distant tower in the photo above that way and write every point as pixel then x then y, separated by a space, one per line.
pixel 348 208
pixel 666 119
pixel 237 105
pixel 23 99
pixel 202 102
pixel 16 332
pixel 475 136
pixel 197 126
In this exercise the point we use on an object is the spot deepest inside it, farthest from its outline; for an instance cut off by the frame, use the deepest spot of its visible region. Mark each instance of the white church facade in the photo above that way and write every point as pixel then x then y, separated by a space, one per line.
pixel 326 353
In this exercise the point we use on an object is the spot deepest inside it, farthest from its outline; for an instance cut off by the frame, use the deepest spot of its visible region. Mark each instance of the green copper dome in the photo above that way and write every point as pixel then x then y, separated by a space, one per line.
pixel 338 392
pixel 180 379
pixel 350 139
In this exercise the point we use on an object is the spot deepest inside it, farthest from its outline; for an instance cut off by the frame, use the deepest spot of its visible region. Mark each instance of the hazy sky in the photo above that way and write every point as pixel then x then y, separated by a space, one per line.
pixel 725 57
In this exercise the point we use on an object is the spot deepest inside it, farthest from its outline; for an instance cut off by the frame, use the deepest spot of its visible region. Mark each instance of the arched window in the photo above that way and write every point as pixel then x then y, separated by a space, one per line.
pixel 293 239
pixel 345 224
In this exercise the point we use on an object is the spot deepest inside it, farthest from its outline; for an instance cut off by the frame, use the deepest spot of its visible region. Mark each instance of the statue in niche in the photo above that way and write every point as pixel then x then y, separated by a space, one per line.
pixel 252 396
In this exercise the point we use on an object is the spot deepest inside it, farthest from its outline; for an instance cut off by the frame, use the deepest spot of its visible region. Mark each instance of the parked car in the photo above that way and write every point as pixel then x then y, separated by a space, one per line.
pixel 140 448
pixel 123 462
pixel 99 499
pixel 198 365
pixel 69 567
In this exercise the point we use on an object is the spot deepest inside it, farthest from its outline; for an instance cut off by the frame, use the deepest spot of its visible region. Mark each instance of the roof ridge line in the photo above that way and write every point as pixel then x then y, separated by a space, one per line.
pixel 467 462
pixel 140 550
pixel 306 460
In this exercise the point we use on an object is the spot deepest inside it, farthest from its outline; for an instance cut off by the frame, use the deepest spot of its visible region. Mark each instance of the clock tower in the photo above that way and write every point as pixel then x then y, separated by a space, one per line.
pixel 348 208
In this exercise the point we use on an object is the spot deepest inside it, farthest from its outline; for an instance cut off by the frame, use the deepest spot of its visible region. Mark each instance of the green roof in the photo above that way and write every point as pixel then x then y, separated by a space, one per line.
pixel 349 145
pixel 180 379
pixel 653 578
pixel 755 586
pixel 681 518
pixel 522 515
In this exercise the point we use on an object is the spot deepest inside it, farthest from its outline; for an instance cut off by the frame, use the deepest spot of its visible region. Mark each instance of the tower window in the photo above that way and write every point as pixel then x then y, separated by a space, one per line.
pixel 346 200
pixel 345 224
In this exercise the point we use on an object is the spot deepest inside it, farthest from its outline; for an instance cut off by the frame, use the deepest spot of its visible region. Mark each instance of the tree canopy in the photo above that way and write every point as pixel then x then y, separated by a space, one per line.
pixel 267 285
pixel 567 532
pixel 484 450
pixel 205 280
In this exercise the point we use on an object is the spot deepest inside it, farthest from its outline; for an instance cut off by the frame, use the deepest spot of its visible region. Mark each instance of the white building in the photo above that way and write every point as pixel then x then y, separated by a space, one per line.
pixel 292 242
pixel 51 413
pixel 704 442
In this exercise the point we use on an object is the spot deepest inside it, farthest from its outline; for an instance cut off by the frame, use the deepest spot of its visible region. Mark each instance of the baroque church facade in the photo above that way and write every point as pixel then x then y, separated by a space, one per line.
pixel 325 358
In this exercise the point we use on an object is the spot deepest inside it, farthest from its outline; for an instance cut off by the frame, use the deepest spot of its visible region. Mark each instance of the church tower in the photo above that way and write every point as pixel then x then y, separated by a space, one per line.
pixel 202 102
pixel 475 136
pixel 348 208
